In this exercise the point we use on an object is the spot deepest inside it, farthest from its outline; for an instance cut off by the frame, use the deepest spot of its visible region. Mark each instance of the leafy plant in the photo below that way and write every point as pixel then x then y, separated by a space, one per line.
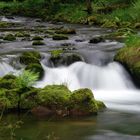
pixel 26 79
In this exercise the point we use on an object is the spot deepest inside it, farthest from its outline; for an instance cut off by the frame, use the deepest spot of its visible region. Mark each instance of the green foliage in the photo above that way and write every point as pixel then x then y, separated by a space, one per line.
pixel 26 79
pixel 133 41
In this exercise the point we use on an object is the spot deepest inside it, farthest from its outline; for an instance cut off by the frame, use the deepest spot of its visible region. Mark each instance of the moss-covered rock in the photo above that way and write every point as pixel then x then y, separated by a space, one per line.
pixel 22 34
pixel 130 58
pixel 38 42
pixel 37 38
pixel 55 96
pixel 60 37
pixel 30 57
pixel 64 59
pixel 8 82
pixel 9 37
pixel 37 68
pixel 83 103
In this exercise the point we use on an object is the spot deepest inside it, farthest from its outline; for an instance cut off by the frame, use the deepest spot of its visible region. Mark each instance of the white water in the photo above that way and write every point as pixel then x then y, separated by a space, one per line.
pixel 111 83
pixel 6 69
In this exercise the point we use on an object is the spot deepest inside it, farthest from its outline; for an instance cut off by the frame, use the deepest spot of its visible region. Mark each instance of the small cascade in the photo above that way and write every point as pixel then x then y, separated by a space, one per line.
pixel 111 83
pixel 5 69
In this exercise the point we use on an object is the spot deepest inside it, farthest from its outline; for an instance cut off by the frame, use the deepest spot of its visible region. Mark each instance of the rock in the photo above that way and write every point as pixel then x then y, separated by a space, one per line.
pixel 37 68
pixel 130 58
pixel 38 42
pixel 37 38
pixel 9 17
pixel 65 31
pixel 22 34
pixel 60 37
pixel 7 82
pixel 65 59
pixel 41 111
pixel 9 37
pixel 96 40
pixel 83 103
pixel 29 57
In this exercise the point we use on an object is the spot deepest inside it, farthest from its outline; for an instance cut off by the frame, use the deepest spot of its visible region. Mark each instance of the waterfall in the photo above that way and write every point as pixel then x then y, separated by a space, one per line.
pixel 111 84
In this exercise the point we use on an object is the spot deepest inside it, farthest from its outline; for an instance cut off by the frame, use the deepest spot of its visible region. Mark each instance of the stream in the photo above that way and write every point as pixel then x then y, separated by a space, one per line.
pixel 109 81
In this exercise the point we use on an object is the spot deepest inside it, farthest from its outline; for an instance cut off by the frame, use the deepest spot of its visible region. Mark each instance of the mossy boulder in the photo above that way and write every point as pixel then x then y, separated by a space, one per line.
pixel 7 82
pixel 55 96
pixel 37 68
pixel 32 62
pixel 83 103
pixel 30 57
pixel 22 34
pixel 66 31
pixel 60 37
pixel 37 38
pixel 38 42
pixel 9 37
pixel 64 59
pixel 130 58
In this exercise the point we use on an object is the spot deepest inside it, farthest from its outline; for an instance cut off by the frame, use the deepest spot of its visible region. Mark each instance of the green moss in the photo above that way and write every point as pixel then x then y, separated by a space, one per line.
pixel 30 57
pixel 8 82
pixel 60 37
pixel 8 99
pixel 37 68
pixel 30 99
pixel 55 97
pixel 9 37
pixel 129 56
pixel 83 100
pixel 37 38
pixel 38 42
pixel 22 34
pixel 56 53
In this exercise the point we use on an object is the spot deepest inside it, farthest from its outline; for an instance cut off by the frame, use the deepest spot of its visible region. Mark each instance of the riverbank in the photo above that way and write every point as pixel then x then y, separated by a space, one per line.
pixel 113 14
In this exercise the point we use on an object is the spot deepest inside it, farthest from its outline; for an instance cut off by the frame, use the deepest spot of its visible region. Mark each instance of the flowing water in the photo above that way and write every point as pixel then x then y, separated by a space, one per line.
pixel 109 81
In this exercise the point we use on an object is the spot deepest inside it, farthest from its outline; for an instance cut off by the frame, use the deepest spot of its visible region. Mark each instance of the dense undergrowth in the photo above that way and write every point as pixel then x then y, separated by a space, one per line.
pixel 113 13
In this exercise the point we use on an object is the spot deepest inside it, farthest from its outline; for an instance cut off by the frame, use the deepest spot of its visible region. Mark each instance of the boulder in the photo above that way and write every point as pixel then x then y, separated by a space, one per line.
pixel 96 40
pixel 9 37
pixel 38 42
pixel 60 37
pixel 65 59
pixel 82 103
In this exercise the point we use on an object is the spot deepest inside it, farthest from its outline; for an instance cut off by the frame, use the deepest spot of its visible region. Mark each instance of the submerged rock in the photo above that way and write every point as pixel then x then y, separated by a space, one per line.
pixel 37 38
pixel 96 40
pixel 60 37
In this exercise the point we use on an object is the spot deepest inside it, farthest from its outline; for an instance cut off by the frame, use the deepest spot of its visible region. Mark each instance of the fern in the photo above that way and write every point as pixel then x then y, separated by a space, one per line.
pixel 26 79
